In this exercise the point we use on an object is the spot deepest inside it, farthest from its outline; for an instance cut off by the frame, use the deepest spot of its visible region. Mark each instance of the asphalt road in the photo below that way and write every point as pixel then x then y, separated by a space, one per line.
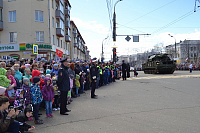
pixel 146 104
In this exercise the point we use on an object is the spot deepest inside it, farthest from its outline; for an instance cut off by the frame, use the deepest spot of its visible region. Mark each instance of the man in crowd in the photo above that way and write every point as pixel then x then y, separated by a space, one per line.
pixel 93 73
pixel 63 83
pixel 7 119
pixel 124 68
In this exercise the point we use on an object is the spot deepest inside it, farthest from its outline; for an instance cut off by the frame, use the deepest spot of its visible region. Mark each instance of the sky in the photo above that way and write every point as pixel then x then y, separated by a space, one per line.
pixel 158 18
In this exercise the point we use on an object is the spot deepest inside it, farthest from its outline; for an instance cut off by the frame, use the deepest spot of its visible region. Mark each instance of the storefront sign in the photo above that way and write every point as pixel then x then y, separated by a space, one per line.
pixel 40 46
pixel 9 47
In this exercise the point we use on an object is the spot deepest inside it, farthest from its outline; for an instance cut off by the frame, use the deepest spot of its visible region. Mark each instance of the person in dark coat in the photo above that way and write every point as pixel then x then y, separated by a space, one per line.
pixel 23 117
pixel 78 68
pixel 128 70
pixel 63 83
pixel 93 73
pixel 124 68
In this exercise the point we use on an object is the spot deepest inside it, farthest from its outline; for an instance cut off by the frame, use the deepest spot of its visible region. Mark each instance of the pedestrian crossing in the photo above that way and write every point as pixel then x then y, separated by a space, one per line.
pixel 164 77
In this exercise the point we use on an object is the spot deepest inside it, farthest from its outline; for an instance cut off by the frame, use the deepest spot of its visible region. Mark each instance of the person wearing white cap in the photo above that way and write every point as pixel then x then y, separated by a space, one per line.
pixel 93 73
pixel 63 83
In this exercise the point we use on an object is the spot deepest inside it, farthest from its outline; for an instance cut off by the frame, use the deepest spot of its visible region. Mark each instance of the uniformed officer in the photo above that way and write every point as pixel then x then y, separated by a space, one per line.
pixel 63 85
pixel 93 73
pixel 124 67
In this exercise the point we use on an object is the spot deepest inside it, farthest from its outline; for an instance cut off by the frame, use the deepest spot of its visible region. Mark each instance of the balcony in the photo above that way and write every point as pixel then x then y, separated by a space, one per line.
pixel 60 32
pixel 1 25
pixel 60 1
pixel 67 38
pixel 67 12
pixel 1 3
pixel 67 24
pixel 60 15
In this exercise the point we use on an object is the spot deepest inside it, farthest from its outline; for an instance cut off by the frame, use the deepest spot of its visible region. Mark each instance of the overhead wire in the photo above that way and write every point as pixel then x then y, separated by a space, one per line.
pixel 174 21
pixel 110 17
pixel 151 12
pixel 131 28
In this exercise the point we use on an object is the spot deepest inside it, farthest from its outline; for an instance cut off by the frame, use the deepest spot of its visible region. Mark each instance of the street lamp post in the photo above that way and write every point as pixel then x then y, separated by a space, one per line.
pixel 175 43
pixel 102 49
pixel 114 28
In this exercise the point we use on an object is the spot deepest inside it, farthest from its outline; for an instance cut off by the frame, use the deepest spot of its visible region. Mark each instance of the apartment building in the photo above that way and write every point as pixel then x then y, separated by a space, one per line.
pixel 186 50
pixel 78 48
pixel 45 23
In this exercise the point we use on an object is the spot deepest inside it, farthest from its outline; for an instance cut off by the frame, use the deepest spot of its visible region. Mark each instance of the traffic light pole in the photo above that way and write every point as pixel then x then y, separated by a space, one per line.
pixel 114 32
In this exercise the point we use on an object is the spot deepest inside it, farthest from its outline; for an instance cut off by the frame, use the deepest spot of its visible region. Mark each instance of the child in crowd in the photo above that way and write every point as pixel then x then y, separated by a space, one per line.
pixel 36 98
pixel 27 94
pixel 135 73
pixel 56 94
pixel 53 75
pixel 82 83
pixel 27 91
pixel 77 84
pixel 48 71
pixel 23 117
pixel 4 81
pixel 48 94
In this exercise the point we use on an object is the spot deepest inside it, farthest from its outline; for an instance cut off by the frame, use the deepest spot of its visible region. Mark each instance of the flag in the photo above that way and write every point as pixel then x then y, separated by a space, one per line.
pixel 186 59
pixel 59 53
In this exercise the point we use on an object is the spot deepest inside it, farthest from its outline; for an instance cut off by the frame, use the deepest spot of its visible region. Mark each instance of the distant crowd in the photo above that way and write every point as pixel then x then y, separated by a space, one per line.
pixel 186 66
pixel 27 86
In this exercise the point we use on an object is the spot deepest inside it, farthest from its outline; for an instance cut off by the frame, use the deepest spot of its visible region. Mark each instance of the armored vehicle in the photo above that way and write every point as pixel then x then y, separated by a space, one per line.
pixel 159 63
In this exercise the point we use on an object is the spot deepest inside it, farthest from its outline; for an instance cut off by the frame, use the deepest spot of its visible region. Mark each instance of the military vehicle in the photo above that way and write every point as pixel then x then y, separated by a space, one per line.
pixel 159 63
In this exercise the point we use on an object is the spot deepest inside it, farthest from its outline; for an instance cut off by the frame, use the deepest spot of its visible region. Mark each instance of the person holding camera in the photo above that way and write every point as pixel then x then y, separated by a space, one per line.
pixel 24 116
pixel 7 119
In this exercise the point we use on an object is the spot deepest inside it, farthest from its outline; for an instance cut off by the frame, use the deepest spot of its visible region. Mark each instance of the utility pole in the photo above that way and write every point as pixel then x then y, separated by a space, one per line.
pixel 114 30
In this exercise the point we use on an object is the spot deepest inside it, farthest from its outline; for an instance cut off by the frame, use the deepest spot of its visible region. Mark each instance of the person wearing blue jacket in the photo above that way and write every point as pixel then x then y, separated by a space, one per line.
pixel 55 69
pixel 36 98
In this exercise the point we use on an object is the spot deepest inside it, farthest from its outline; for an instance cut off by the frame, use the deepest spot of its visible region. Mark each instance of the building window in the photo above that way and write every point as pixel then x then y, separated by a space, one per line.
pixel 58 42
pixel 53 22
pixel 61 43
pixel 191 48
pixel 1 15
pixel 39 16
pixel 13 37
pixel 66 46
pixel 39 36
pixel 12 16
pixel 53 40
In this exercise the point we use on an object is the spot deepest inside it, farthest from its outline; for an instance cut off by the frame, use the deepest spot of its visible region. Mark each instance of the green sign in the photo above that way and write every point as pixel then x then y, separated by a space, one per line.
pixel 40 46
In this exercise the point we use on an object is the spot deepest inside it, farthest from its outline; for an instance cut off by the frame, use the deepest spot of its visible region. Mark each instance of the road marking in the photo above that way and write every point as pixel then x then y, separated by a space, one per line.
pixel 164 77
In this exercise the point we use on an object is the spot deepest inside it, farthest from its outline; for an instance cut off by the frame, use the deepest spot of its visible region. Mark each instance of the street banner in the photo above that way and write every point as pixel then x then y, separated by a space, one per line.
pixel 35 49
pixel 59 53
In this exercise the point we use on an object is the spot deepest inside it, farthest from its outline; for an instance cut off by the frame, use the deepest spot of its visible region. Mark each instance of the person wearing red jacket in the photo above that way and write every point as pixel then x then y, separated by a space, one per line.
pixel 36 73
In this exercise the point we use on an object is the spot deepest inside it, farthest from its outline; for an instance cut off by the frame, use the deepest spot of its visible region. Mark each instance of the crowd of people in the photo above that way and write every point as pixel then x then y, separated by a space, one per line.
pixel 26 86
pixel 188 66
